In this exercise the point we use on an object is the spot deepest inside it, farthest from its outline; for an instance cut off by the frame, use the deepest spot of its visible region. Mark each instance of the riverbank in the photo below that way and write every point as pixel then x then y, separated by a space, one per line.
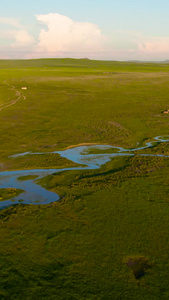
pixel 80 156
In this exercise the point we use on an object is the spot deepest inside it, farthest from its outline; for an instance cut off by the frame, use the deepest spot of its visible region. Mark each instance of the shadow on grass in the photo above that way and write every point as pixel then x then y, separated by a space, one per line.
pixel 138 265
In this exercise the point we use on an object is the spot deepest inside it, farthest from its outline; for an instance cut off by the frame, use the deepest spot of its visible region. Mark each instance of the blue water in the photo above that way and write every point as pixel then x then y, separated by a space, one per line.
pixel 35 194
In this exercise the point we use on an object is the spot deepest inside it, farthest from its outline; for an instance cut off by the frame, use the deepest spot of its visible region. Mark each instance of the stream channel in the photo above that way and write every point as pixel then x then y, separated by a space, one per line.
pixel 35 194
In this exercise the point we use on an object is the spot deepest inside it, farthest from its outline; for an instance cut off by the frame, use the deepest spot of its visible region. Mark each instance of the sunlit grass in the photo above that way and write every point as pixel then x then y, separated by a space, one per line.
pixel 107 238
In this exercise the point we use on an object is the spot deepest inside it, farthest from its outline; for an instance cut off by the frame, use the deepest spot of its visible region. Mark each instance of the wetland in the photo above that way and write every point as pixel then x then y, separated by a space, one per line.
pixel 24 180
pixel 88 221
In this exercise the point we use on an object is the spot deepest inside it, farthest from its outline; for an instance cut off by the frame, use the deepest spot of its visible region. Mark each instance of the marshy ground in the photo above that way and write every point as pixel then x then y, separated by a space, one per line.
pixel 107 238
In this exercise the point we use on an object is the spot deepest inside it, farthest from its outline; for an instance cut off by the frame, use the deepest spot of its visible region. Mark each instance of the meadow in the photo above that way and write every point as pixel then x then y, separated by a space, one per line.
pixel 107 237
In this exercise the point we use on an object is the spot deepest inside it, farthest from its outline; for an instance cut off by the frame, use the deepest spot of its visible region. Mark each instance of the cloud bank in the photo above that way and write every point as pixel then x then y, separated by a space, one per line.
pixel 15 39
pixel 65 35
pixel 59 36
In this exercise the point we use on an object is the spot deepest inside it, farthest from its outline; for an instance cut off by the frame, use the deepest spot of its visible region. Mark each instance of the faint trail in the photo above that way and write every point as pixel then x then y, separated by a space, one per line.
pixel 17 94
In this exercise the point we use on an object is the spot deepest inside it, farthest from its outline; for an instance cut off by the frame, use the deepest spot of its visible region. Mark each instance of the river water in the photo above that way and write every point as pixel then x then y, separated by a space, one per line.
pixel 35 194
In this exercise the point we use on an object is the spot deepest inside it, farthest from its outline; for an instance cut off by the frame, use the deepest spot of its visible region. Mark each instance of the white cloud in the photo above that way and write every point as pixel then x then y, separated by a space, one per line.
pixel 66 35
pixel 23 39
pixel 155 45
pixel 15 39
pixel 59 36
pixel 138 46
pixel 11 21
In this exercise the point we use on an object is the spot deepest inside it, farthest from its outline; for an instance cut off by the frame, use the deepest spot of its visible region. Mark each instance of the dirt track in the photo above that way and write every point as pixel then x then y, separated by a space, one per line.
pixel 18 94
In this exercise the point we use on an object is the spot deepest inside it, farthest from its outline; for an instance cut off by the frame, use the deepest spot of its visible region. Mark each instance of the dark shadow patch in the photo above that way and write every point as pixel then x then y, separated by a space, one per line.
pixel 138 265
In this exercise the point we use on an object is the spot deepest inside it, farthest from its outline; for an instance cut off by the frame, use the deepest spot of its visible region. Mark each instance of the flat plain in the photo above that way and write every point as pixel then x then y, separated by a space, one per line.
pixel 107 238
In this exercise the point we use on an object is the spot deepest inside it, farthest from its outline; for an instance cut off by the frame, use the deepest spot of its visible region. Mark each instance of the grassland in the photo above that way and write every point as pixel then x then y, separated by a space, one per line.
pixel 75 101
pixel 9 193
pixel 107 238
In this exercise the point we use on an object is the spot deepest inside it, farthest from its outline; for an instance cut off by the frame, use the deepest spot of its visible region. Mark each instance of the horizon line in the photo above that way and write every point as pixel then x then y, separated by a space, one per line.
pixel 89 59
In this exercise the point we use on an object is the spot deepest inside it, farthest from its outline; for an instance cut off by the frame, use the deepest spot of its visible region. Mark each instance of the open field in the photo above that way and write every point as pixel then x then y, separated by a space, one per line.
pixel 78 101
pixel 107 238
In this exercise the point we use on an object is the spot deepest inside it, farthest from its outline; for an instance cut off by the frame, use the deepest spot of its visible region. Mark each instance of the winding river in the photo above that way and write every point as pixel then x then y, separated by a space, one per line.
pixel 35 194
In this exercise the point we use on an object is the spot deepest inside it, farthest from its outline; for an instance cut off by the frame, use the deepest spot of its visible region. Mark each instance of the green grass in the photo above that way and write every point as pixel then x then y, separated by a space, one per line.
pixel 38 161
pixel 9 193
pixel 65 106
pixel 107 238
pixel 28 177
pixel 79 247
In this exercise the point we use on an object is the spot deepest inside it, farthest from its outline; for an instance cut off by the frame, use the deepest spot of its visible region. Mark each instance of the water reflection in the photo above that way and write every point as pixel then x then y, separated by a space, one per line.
pixel 35 194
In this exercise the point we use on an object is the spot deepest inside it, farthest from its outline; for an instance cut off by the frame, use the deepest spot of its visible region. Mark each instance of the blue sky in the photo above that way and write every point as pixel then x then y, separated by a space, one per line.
pixel 101 29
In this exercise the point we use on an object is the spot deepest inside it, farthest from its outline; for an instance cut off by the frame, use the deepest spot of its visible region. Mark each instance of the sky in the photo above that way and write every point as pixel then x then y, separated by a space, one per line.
pixel 96 29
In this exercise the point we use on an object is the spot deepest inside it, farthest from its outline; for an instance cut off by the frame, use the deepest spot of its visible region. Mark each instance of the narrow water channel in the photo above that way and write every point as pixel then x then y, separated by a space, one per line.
pixel 35 194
